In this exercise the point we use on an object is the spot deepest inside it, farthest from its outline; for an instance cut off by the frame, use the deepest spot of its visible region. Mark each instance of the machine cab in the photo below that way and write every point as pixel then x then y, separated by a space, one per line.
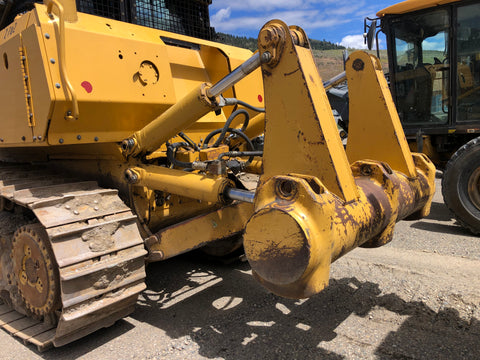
pixel 434 61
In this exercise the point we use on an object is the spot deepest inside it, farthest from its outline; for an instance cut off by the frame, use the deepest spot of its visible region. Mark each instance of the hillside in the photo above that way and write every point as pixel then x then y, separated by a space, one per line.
pixel 251 43
pixel 328 56
pixel 330 62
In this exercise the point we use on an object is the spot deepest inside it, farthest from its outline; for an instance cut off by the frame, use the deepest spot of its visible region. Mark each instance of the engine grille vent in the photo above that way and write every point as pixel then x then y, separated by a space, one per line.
pixel 187 17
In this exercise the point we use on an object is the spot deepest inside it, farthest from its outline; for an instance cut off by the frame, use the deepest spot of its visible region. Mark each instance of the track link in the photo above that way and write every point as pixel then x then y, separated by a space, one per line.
pixel 97 247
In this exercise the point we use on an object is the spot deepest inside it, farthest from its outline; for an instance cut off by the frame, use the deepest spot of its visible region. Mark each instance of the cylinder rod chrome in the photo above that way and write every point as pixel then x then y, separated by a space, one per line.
pixel 235 76
pixel 240 195
pixel 335 80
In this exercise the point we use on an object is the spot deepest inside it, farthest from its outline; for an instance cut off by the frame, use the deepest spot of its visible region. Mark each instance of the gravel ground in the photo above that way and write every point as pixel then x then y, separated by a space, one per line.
pixel 415 298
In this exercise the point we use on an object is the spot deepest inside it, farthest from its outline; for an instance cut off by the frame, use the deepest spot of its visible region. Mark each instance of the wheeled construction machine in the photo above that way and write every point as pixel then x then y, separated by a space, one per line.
pixel 123 145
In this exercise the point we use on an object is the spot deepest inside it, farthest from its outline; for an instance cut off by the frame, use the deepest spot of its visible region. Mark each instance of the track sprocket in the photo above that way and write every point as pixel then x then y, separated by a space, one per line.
pixel 35 270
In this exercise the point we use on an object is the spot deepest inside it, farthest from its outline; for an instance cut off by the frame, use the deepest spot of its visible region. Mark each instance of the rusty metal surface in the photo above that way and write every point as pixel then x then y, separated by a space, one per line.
pixel 314 228
pixel 97 251
pixel 315 202
pixel 29 330
pixel 34 265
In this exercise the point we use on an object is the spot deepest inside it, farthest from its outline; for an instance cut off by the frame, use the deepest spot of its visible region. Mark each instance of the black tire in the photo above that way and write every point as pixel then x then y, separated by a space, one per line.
pixel 461 185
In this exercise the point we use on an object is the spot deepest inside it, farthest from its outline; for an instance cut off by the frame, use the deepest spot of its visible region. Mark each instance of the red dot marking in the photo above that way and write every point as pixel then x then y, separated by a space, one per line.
pixel 87 86
pixel 260 98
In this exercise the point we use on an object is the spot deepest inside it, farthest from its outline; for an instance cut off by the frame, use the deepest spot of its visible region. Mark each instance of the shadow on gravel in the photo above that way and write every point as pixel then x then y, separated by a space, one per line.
pixel 427 334
pixel 441 228
pixel 439 212
pixel 228 315
pixel 81 347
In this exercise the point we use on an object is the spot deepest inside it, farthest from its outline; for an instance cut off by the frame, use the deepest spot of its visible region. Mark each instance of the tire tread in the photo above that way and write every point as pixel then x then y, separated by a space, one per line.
pixel 449 171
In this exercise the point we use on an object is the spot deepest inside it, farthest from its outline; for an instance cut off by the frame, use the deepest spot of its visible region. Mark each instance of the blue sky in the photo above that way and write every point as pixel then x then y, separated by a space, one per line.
pixel 338 21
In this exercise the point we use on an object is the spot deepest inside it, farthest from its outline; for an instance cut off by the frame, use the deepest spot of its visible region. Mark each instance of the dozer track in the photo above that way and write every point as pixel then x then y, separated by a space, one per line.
pixel 76 267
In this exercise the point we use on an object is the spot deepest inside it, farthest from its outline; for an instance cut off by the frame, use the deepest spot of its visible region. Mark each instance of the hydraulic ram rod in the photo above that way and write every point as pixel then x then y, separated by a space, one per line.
pixel 337 79
pixel 192 185
pixel 187 110
pixel 236 75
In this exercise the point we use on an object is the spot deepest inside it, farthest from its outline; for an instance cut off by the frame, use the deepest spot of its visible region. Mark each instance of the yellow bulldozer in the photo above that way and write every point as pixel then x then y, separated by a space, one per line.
pixel 434 70
pixel 128 137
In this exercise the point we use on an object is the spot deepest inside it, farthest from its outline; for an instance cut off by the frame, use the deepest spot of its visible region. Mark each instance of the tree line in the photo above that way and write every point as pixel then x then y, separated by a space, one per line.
pixel 251 43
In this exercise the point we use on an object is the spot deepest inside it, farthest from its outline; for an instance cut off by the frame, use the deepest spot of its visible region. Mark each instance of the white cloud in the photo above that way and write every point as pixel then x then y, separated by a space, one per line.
pixel 436 42
pixel 353 42
pixel 356 42
pixel 317 17
pixel 241 23
pixel 220 16
pixel 308 20
pixel 222 20
pixel 260 5
pixel 298 17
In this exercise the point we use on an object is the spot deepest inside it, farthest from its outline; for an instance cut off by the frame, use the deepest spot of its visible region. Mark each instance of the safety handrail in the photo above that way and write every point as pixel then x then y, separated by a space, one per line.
pixel 74 114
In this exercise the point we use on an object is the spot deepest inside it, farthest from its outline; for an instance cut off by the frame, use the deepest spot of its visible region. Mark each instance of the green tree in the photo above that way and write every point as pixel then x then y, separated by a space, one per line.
pixel 251 43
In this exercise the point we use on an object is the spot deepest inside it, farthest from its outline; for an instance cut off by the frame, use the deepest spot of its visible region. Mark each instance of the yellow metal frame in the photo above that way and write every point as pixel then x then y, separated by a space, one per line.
pixel 103 58
pixel 295 141
pixel 192 185
pixel 198 231
pixel 412 5
pixel 311 206
pixel 374 138
pixel 314 202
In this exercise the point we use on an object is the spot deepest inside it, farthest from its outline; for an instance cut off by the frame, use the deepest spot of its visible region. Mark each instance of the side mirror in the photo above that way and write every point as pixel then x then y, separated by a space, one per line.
pixel 370 34
pixel 345 58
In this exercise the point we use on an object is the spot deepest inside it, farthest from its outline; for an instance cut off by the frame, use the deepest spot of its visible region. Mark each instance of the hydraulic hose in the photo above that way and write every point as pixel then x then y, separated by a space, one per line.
pixel 171 148
pixel 189 141
pixel 234 101
pixel 227 126
pixel 234 131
